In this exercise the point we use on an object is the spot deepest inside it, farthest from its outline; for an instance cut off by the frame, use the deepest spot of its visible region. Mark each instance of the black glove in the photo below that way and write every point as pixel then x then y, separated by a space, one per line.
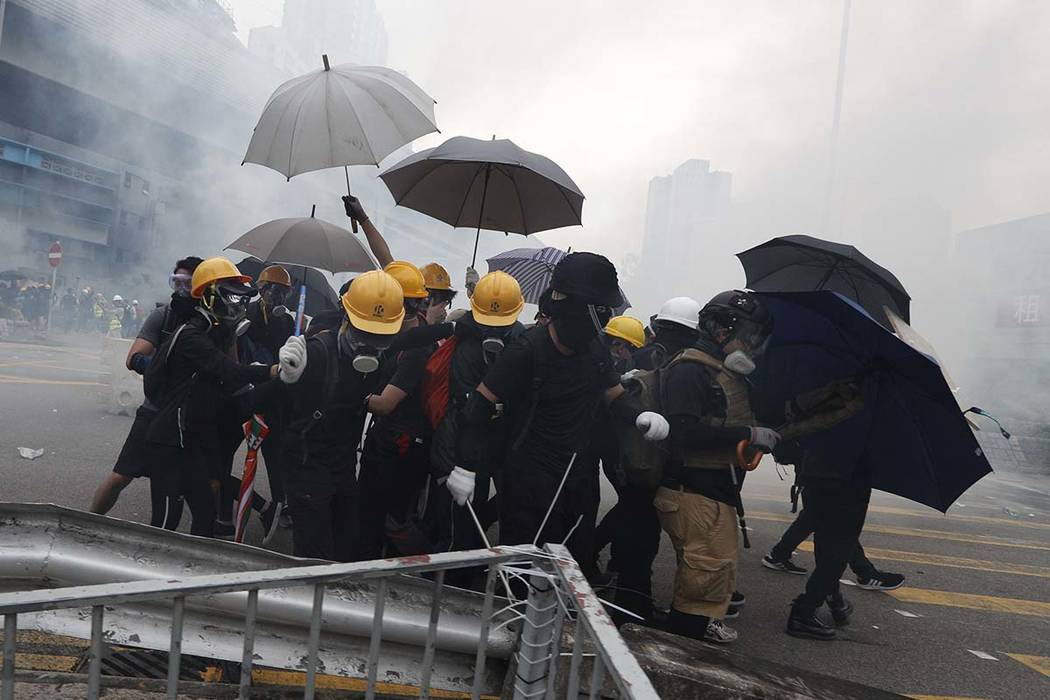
pixel 353 207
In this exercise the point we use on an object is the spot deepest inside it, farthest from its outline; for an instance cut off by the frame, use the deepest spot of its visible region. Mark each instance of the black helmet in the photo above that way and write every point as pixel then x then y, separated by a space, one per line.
pixel 741 313
pixel 588 278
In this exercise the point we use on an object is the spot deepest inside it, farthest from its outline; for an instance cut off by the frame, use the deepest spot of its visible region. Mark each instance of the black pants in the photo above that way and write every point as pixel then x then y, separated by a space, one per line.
pixel 394 470
pixel 324 519
pixel 635 544
pixel 527 491
pixel 802 528
pixel 837 510
pixel 274 457
pixel 184 471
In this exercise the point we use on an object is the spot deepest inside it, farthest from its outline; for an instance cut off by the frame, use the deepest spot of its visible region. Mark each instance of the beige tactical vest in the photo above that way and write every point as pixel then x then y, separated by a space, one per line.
pixel 737 414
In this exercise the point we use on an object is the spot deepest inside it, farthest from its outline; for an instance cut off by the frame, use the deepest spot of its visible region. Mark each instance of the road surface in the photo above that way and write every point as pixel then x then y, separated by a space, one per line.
pixel 973 620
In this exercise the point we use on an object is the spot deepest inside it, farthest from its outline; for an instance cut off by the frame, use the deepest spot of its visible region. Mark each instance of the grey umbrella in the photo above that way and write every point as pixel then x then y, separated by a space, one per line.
pixel 494 185
pixel 306 241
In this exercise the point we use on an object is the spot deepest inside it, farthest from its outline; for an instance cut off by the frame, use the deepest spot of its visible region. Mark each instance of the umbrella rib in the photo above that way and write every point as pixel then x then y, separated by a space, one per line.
pixel 521 205
pixel 291 142
pixel 364 132
pixel 466 196
pixel 411 102
pixel 438 164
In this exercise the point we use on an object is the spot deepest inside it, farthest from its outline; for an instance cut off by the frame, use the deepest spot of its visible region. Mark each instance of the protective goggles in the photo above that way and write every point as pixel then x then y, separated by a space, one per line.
pixel 441 296
pixel 180 283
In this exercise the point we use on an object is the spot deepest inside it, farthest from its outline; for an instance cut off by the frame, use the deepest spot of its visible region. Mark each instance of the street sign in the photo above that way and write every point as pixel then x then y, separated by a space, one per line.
pixel 54 254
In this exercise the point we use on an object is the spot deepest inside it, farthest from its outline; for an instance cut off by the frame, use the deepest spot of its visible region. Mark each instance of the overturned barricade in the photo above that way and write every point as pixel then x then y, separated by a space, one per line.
pixel 390 621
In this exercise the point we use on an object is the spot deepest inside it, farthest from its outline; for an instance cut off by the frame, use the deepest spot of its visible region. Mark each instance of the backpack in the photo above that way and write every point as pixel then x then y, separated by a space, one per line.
pixel 643 461
pixel 436 378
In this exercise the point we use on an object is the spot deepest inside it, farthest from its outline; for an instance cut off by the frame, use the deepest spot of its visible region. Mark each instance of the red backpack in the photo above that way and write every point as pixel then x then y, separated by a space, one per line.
pixel 436 381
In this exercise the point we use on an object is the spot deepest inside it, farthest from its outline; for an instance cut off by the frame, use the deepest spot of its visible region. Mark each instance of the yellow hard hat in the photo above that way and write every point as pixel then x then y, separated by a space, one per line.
pixel 212 270
pixel 626 328
pixel 497 300
pixel 436 277
pixel 275 274
pixel 375 303
pixel 411 279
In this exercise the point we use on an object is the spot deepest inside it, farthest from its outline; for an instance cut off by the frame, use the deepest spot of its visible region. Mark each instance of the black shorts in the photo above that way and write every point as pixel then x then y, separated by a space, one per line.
pixel 134 459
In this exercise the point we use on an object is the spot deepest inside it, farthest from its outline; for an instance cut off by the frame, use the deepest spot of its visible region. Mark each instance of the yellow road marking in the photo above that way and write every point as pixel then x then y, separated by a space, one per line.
pixel 44 662
pixel 892 510
pixel 1039 664
pixel 953 562
pixel 911 532
pixel 265 676
pixel 972 601
pixel 941 697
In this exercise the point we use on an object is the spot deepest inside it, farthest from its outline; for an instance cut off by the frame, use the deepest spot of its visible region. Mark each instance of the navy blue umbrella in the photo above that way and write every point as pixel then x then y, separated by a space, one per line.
pixel 910 438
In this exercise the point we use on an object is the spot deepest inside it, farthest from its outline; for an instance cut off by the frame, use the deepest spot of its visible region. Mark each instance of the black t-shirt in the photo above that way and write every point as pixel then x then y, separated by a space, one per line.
pixel 267 333
pixel 405 370
pixel 689 396
pixel 321 451
pixel 553 397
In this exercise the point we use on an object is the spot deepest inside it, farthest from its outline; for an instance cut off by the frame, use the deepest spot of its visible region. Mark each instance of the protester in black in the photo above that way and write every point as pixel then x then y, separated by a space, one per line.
pixel 133 460
pixel 324 383
pixel 187 381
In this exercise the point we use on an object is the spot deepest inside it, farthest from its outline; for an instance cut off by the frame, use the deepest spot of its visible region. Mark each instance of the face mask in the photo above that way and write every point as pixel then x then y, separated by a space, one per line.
pixel 182 305
pixel 274 295
pixel 365 360
pixel 738 362
pixel 577 324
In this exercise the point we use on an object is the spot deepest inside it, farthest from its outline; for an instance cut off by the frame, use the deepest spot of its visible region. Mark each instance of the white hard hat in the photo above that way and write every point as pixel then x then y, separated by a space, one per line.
pixel 117 297
pixel 134 302
pixel 685 311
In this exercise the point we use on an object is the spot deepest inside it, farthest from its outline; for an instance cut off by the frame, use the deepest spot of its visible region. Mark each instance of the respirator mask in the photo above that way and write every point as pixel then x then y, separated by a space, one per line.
pixel 754 337
pixel 492 343
pixel 274 296
pixel 226 304
pixel 363 348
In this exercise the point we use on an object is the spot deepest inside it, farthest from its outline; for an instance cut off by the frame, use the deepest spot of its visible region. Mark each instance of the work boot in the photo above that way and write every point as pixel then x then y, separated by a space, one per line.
pixel 841 609
pixel 686 625
pixel 805 624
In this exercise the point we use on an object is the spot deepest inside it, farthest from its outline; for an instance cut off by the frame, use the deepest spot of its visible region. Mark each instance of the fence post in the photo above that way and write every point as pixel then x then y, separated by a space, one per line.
pixel 537 641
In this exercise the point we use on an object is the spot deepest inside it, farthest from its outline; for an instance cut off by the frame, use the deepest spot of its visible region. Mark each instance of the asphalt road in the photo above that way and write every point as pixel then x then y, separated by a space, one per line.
pixel 972 622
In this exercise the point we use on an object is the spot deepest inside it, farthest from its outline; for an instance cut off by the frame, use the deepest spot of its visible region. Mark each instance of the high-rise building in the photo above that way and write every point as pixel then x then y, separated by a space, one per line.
pixel 682 217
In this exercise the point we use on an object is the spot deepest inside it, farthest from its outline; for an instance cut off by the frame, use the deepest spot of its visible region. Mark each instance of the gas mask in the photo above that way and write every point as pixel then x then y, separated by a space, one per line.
pixel 273 296
pixel 492 343
pixel 225 304
pixel 363 348
pixel 576 323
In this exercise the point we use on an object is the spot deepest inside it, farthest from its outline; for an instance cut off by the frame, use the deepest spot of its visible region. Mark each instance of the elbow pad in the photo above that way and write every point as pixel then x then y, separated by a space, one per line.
pixel 140 363
pixel 479 411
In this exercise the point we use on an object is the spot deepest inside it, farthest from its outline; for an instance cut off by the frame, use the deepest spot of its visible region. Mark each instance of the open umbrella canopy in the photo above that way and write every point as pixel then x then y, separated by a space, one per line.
pixel 306 241
pixel 533 268
pixel 338 116
pixel 494 185
pixel 803 263
pixel 910 438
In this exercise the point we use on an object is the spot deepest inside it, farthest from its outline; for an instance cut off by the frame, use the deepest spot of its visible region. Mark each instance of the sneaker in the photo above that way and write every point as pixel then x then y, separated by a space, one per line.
pixel 785 565
pixel 270 517
pixel 841 610
pixel 719 632
pixel 807 625
pixel 881 581
pixel 732 613
pixel 737 600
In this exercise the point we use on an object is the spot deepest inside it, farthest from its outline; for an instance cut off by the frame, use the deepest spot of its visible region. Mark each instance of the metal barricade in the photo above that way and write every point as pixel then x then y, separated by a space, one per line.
pixel 557 594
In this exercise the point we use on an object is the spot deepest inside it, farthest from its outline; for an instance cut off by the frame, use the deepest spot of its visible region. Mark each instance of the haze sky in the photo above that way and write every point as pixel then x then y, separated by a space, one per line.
pixel 944 100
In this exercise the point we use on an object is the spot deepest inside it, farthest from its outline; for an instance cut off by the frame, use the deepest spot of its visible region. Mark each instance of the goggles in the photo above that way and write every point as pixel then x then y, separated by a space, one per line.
pixel 180 283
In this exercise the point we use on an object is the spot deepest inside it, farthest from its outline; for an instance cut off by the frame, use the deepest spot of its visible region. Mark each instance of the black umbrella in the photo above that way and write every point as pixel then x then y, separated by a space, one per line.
pixel 319 293
pixel 804 264
pixel 494 185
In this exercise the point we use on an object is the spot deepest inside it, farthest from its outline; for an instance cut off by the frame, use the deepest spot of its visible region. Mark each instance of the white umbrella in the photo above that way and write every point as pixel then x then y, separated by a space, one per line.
pixel 339 116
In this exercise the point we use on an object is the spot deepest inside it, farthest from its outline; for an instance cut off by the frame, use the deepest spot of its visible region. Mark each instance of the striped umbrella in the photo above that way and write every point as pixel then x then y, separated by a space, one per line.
pixel 532 268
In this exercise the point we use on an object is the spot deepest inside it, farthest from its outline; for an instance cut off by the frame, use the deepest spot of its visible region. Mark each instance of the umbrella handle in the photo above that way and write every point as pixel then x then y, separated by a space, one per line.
pixel 742 461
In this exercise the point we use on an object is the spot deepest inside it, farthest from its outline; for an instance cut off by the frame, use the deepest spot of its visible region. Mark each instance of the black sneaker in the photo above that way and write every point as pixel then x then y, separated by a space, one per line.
pixel 785 565
pixel 881 581
pixel 841 610
pixel 807 625
pixel 732 613
pixel 737 600
pixel 270 517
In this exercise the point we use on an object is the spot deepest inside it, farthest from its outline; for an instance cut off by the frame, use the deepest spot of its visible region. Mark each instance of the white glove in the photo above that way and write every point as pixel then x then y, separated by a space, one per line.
pixel 292 359
pixel 472 277
pixel 654 427
pixel 460 484
pixel 764 439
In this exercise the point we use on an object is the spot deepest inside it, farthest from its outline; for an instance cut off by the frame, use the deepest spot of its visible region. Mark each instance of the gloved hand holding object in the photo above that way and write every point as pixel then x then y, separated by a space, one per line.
pixel 764 439
pixel 654 427
pixel 460 484
pixel 292 359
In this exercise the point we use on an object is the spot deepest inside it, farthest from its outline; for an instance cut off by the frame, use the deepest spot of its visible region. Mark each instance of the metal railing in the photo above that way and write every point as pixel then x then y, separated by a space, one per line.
pixel 557 594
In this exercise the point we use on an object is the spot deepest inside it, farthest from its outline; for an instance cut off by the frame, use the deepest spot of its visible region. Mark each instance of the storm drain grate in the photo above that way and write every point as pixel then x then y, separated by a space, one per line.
pixel 141 663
